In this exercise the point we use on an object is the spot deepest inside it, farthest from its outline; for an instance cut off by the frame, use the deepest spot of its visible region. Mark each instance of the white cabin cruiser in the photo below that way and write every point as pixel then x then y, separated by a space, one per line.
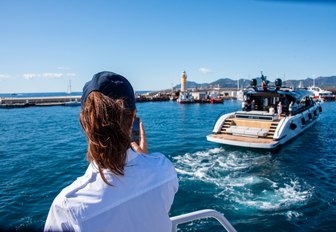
pixel 321 94
pixel 185 98
pixel 271 116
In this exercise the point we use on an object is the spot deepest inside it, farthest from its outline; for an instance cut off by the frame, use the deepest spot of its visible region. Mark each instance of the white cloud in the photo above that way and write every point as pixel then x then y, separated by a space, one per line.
pixel 53 75
pixel 4 77
pixel 204 70
pixel 71 74
pixel 63 68
pixel 29 76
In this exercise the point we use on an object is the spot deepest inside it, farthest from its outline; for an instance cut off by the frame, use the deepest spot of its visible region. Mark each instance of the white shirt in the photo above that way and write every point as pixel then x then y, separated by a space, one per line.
pixel 279 108
pixel 138 201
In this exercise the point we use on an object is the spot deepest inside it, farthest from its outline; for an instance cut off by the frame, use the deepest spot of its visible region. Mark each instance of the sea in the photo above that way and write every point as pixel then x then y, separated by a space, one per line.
pixel 42 150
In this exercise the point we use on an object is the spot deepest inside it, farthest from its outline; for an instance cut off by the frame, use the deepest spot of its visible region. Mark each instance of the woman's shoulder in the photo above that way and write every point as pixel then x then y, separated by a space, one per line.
pixel 77 184
pixel 155 160
pixel 157 157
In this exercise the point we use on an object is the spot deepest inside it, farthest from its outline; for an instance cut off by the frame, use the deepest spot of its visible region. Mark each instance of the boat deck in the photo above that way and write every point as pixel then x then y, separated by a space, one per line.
pixel 242 138
pixel 243 141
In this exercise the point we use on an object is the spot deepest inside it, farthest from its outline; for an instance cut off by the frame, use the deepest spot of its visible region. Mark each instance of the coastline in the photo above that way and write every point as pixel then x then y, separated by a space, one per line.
pixel 64 99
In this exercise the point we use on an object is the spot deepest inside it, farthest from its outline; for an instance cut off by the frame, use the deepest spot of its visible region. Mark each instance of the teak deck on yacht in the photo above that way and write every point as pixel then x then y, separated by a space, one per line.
pixel 242 138
pixel 252 123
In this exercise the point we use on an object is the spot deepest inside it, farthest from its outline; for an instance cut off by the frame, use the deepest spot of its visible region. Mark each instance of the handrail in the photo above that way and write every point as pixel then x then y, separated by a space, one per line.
pixel 206 213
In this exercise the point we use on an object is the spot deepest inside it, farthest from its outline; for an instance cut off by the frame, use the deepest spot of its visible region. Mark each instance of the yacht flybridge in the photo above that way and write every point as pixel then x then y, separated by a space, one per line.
pixel 270 116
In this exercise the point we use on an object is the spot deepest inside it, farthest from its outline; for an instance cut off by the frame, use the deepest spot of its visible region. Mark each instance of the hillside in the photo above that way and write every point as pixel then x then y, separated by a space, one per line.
pixel 323 82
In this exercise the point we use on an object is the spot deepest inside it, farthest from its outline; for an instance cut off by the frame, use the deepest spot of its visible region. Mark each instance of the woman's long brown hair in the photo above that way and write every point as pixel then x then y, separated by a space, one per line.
pixel 107 125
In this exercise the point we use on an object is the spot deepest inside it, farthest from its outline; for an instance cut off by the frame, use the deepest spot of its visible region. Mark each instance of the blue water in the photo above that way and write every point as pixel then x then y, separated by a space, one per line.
pixel 42 150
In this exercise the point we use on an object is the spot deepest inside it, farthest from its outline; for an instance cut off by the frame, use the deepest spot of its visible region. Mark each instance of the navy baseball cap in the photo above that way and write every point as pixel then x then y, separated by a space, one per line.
pixel 112 85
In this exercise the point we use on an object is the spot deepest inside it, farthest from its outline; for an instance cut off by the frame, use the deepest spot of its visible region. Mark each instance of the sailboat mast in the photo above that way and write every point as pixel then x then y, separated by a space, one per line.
pixel 314 80
pixel 69 87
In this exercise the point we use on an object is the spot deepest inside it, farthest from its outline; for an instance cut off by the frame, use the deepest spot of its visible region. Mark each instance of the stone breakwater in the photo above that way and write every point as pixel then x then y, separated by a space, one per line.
pixel 9 102
pixel 199 95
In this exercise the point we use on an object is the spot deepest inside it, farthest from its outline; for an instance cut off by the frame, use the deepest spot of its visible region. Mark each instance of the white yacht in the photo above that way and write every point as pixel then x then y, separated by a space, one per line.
pixel 271 116
pixel 321 94
pixel 185 98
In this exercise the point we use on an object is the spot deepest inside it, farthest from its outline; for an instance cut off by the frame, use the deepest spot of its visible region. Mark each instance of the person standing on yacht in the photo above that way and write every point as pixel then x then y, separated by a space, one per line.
pixel 290 108
pixel 244 104
pixel 279 108
pixel 124 188
pixel 253 105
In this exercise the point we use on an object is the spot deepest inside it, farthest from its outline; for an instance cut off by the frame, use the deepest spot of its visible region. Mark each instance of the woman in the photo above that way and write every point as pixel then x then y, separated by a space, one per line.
pixel 123 189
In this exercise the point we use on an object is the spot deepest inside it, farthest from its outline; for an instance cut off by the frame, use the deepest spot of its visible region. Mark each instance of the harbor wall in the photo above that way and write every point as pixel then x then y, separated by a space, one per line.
pixel 163 95
pixel 39 101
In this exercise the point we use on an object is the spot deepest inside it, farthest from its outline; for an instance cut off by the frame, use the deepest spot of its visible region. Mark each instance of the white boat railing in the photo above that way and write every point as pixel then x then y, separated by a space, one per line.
pixel 201 214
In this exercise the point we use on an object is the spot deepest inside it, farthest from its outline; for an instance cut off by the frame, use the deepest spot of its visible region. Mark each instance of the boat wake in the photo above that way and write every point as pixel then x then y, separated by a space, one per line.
pixel 245 180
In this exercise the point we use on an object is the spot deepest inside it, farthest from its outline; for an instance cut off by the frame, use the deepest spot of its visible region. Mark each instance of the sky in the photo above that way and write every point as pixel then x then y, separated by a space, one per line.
pixel 46 44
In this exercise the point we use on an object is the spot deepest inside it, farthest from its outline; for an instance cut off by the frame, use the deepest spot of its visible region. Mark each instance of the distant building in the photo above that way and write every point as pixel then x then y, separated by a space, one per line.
pixel 199 95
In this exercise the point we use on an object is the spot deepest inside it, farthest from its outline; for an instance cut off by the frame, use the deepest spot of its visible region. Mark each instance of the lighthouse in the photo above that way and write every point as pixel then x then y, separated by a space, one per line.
pixel 185 96
pixel 184 82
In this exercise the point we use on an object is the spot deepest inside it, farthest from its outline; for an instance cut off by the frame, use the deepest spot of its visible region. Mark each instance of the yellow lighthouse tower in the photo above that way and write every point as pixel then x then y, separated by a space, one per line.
pixel 185 96
pixel 184 82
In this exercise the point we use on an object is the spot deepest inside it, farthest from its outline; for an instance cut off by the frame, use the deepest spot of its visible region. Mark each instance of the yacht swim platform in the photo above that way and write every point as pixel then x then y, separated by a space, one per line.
pixel 251 132
pixel 238 140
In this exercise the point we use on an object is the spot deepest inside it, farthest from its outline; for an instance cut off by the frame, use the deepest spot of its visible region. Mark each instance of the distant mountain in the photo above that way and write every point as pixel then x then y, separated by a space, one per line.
pixel 221 83
pixel 192 84
pixel 323 82
pixel 228 83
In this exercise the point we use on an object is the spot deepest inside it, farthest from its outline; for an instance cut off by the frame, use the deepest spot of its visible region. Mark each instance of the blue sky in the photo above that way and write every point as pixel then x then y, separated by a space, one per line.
pixel 46 43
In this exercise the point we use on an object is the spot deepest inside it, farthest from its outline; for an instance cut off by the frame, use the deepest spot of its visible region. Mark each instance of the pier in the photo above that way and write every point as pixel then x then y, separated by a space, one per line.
pixel 199 95
pixel 9 102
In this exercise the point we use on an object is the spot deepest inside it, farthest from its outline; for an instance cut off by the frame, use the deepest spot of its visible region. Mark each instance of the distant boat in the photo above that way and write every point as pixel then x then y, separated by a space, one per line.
pixel 321 94
pixel 263 122
pixel 185 98
pixel 216 100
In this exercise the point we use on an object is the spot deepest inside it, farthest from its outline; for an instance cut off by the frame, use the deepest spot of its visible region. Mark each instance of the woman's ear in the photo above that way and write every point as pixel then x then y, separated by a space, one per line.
pixel 120 102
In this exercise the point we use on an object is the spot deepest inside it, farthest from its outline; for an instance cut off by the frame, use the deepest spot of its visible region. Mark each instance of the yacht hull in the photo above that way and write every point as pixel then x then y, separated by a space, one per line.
pixel 260 129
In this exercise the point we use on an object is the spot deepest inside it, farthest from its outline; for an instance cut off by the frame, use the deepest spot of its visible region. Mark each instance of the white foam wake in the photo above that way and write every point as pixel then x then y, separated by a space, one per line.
pixel 247 180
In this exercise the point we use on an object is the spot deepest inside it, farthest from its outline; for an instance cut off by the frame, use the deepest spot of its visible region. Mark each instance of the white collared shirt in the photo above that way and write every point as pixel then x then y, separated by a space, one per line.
pixel 138 201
